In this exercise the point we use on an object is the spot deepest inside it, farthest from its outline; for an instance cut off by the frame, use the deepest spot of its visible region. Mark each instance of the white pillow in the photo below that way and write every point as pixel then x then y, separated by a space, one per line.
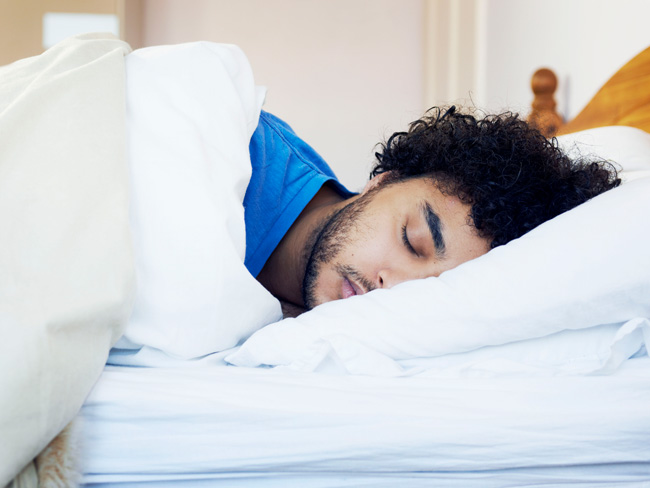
pixel 66 268
pixel 587 267
pixel 626 146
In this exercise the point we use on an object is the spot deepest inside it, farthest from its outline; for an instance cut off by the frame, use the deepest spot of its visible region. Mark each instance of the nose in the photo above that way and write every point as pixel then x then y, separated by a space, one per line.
pixel 395 273
pixel 389 277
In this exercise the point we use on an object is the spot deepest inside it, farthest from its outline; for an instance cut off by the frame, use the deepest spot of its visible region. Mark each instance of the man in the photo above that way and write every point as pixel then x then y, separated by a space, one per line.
pixel 446 191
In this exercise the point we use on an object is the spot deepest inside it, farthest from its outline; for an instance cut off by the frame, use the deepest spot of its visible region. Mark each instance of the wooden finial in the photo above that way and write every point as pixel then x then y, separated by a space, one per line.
pixel 543 115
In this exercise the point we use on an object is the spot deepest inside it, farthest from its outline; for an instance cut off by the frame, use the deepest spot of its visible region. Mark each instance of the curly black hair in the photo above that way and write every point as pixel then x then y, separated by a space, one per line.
pixel 512 176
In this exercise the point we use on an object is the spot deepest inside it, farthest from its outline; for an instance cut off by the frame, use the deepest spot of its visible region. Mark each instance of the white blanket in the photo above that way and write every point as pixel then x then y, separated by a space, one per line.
pixel 191 110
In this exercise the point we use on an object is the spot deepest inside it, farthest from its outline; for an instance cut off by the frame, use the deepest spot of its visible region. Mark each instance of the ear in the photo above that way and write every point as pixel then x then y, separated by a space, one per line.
pixel 377 180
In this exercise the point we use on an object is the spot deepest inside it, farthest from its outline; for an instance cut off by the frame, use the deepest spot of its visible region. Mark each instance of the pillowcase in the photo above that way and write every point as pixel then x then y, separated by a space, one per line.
pixel 66 268
pixel 626 146
pixel 585 268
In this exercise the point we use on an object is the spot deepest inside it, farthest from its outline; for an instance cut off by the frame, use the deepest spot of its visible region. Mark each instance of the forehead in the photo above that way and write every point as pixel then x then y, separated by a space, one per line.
pixel 417 190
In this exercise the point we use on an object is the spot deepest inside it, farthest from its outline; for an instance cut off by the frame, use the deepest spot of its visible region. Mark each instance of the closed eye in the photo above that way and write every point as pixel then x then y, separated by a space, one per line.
pixel 407 243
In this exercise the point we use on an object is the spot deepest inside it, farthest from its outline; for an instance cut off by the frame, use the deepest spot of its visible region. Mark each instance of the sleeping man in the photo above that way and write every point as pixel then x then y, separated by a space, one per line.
pixel 446 191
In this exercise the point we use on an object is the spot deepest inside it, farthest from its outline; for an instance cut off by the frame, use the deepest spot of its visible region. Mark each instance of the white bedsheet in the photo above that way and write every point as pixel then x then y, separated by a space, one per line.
pixel 242 427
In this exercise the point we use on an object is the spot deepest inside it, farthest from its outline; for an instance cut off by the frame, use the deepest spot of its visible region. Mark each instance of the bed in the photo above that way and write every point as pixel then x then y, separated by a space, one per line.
pixel 622 100
pixel 506 371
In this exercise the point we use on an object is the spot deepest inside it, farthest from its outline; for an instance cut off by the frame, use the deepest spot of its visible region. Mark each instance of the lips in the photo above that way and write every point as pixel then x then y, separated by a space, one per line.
pixel 349 288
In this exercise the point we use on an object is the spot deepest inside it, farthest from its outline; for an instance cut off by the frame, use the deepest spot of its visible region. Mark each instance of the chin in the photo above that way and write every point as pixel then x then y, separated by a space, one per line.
pixel 319 300
pixel 319 291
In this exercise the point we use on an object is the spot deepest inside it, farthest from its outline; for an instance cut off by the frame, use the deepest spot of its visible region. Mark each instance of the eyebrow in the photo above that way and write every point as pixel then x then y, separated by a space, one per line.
pixel 435 227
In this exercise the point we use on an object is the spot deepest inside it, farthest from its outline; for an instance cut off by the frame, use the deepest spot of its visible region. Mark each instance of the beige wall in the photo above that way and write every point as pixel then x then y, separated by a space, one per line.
pixel 453 47
pixel 347 73
pixel 21 22
pixel 343 73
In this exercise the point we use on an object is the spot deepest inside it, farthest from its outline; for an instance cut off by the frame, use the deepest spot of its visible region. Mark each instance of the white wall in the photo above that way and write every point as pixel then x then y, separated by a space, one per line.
pixel 344 73
pixel 583 41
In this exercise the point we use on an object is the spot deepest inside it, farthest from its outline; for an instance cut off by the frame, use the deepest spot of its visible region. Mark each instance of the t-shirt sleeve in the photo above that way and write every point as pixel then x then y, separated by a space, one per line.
pixel 287 173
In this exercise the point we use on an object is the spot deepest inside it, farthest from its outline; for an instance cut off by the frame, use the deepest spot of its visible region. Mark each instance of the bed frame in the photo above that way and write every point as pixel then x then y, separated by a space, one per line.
pixel 623 100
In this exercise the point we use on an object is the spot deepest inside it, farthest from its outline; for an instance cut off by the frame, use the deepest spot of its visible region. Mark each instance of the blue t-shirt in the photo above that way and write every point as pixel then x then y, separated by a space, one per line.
pixel 287 173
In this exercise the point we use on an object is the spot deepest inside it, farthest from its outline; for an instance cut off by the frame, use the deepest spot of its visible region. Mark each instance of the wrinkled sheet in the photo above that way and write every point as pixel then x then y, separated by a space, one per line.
pixel 210 425
pixel 66 285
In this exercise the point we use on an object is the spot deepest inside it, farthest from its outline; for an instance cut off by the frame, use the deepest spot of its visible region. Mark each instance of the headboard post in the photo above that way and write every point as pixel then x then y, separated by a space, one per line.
pixel 543 115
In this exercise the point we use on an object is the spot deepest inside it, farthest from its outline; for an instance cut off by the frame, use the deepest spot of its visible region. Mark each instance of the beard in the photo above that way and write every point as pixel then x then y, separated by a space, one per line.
pixel 326 244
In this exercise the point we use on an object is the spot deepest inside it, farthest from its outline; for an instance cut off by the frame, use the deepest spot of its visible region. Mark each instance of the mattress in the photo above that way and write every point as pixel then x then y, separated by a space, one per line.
pixel 217 425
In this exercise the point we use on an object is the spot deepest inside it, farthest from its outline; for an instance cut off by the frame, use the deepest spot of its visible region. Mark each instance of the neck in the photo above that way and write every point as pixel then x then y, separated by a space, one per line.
pixel 284 271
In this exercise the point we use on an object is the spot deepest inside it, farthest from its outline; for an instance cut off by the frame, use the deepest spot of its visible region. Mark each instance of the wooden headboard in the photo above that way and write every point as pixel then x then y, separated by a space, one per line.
pixel 623 100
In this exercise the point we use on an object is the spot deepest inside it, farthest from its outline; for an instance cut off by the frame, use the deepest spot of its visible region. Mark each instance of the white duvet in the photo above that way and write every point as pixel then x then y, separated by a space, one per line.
pixel 191 110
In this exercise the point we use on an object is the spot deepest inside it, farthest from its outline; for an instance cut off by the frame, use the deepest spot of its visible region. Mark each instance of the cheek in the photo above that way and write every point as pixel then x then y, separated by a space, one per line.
pixel 366 250
pixel 327 285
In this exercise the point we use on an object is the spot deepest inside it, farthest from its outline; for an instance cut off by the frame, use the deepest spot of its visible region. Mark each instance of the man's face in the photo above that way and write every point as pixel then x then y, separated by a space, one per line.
pixel 390 234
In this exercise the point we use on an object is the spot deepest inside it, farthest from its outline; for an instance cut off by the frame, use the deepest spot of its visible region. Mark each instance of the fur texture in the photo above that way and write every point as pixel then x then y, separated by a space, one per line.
pixel 58 463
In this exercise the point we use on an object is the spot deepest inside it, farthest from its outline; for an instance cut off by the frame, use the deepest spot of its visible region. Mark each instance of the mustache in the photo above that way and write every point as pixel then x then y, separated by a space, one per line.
pixel 351 273
pixel 327 242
